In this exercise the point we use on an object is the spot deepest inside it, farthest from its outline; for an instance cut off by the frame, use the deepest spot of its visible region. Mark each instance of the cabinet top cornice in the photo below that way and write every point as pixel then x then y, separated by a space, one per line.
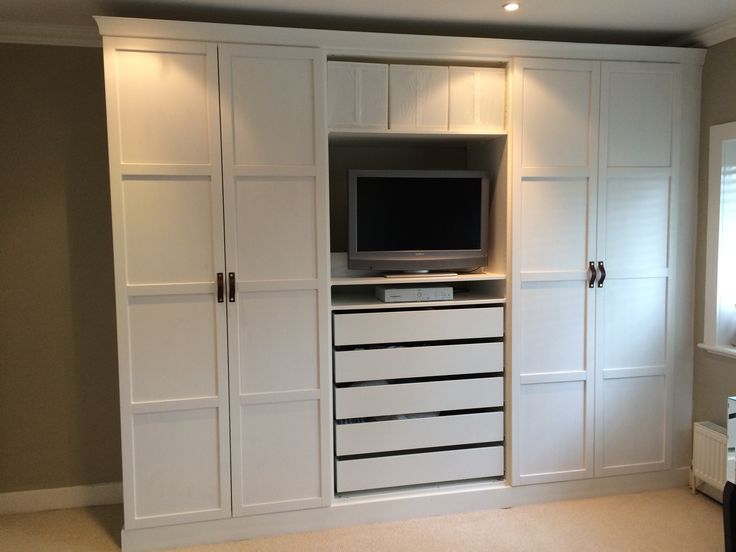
pixel 389 45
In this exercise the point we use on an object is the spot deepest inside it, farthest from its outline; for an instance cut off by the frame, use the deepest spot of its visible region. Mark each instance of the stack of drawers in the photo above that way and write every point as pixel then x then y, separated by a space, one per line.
pixel 418 397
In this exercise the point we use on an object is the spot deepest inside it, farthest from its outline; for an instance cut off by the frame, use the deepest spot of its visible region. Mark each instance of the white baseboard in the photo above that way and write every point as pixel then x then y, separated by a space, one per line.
pixel 61 498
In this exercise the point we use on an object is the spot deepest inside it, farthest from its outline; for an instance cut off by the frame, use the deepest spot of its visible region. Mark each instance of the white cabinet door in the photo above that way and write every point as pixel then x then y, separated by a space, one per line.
pixel 554 189
pixel 166 191
pixel 418 97
pixel 357 95
pixel 274 161
pixel 477 99
pixel 635 205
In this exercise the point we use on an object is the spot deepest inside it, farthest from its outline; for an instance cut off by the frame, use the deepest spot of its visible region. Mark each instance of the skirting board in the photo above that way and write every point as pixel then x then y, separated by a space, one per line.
pixel 61 498
pixel 378 509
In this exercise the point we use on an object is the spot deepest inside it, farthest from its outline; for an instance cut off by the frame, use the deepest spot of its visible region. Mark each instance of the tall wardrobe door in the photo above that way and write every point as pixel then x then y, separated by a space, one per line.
pixel 166 190
pixel 274 160
pixel 639 126
pixel 554 188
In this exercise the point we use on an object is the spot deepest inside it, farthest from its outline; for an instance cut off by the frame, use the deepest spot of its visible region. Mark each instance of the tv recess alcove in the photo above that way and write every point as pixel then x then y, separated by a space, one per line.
pixel 265 389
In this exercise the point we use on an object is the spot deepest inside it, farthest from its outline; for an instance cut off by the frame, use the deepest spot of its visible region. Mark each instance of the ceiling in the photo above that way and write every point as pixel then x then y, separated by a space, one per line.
pixel 617 21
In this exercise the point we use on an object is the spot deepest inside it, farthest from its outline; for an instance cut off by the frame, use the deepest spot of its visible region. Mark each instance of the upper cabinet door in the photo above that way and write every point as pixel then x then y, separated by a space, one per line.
pixel 275 186
pixel 418 97
pixel 636 202
pixel 166 192
pixel 357 95
pixel 554 189
pixel 477 99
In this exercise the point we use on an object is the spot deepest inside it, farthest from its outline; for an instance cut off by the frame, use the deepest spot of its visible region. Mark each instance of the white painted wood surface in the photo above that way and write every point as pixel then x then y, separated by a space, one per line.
pixel 409 398
pixel 357 95
pixel 274 167
pixel 414 362
pixel 637 193
pixel 477 99
pixel 166 192
pixel 413 469
pixel 417 325
pixel 553 238
pixel 416 433
pixel 418 97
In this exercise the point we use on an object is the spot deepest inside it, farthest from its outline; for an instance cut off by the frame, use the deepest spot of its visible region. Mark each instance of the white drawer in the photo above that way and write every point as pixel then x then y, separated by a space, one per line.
pixel 416 433
pixel 417 325
pixel 414 362
pixel 415 469
pixel 408 398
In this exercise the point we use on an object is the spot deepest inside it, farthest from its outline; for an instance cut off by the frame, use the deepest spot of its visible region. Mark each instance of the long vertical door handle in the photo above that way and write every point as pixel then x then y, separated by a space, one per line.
pixel 593 274
pixel 231 287
pixel 602 269
pixel 220 287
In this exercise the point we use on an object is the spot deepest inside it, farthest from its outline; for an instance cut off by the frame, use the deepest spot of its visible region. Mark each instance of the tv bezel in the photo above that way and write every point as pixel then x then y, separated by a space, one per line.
pixel 416 260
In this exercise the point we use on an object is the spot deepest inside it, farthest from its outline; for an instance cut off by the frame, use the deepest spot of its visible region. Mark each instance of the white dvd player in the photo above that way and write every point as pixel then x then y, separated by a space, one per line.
pixel 391 294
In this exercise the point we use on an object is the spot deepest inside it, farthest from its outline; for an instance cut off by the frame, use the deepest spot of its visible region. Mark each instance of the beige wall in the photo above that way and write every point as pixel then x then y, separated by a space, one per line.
pixel 715 377
pixel 59 422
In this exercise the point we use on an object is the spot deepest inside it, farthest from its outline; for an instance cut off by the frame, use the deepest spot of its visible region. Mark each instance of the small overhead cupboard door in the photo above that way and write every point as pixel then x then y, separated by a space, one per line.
pixel 166 192
pixel 274 159
pixel 591 351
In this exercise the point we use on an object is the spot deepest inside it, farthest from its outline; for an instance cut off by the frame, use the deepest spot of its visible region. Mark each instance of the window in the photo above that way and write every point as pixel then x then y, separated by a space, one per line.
pixel 720 278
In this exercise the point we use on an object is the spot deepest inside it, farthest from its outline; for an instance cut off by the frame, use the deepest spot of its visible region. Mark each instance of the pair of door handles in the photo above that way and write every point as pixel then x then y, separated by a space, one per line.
pixel 594 274
pixel 230 287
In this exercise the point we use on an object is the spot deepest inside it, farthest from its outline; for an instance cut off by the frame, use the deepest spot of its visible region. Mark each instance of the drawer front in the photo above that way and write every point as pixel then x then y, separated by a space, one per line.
pixel 414 362
pixel 416 433
pixel 409 398
pixel 415 469
pixel 417 325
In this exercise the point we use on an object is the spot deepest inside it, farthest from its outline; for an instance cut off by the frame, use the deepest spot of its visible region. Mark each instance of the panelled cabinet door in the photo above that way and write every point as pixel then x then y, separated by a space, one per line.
pixel 418 97
pixel 554 189
pixel 166 192
pixel 477 99
pixel 357 95
pixel 274 157
pixel 639 129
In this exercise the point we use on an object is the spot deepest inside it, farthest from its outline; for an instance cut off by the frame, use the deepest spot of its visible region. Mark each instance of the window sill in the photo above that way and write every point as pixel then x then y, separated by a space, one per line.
pixel 719 350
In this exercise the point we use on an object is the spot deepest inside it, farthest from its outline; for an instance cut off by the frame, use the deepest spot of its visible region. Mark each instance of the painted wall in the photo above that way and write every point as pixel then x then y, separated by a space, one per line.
pixel 59 421
pixel 715 377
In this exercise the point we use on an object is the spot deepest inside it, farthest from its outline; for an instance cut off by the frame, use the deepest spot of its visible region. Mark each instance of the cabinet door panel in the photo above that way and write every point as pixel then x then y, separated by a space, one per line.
pixel 554 227
pixel 268 322
pixel 418 97
pixel 272 109
pixel 281 456
pixel 168 231
pixel 477 98
pixel 173 347
pixel 640 109
pixel 357 95
pixel 163 104
pixel 553 440
pixel 557 106
pixel 276 228
pixel 177 465
pixel 633 413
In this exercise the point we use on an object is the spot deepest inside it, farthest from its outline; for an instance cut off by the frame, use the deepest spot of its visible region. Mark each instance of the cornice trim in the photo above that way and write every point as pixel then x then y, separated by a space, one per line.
pixel 715 34
pixel 49 34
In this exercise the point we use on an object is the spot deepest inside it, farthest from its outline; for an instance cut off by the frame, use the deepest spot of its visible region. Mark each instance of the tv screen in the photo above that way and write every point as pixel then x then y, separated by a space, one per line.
pixel 417 220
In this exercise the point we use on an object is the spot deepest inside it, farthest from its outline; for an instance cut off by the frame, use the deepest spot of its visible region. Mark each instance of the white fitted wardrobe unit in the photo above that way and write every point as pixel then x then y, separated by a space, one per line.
pixel 240 335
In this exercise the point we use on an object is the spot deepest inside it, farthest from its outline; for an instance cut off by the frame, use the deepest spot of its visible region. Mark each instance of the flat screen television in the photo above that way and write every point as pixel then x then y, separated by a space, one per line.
pixel 417 221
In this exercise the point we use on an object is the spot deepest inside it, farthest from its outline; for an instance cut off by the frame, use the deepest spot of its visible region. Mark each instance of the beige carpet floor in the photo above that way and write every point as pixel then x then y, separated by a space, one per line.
pixel 669 520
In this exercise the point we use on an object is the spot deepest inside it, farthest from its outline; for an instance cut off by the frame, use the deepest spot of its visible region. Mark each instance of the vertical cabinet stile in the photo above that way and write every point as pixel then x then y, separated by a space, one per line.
pixel 166 194
pixel 273 134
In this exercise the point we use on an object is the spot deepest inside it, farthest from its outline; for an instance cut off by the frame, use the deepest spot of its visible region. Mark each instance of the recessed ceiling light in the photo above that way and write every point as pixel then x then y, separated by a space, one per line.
pixel 511 6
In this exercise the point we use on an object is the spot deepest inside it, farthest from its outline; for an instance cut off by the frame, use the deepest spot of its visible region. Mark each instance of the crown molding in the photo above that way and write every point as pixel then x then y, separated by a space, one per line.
pixel 715 34
pixel 49 34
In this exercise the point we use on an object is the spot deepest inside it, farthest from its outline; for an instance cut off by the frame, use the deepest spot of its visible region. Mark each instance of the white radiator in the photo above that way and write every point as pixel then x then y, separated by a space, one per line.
pixel 709 457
